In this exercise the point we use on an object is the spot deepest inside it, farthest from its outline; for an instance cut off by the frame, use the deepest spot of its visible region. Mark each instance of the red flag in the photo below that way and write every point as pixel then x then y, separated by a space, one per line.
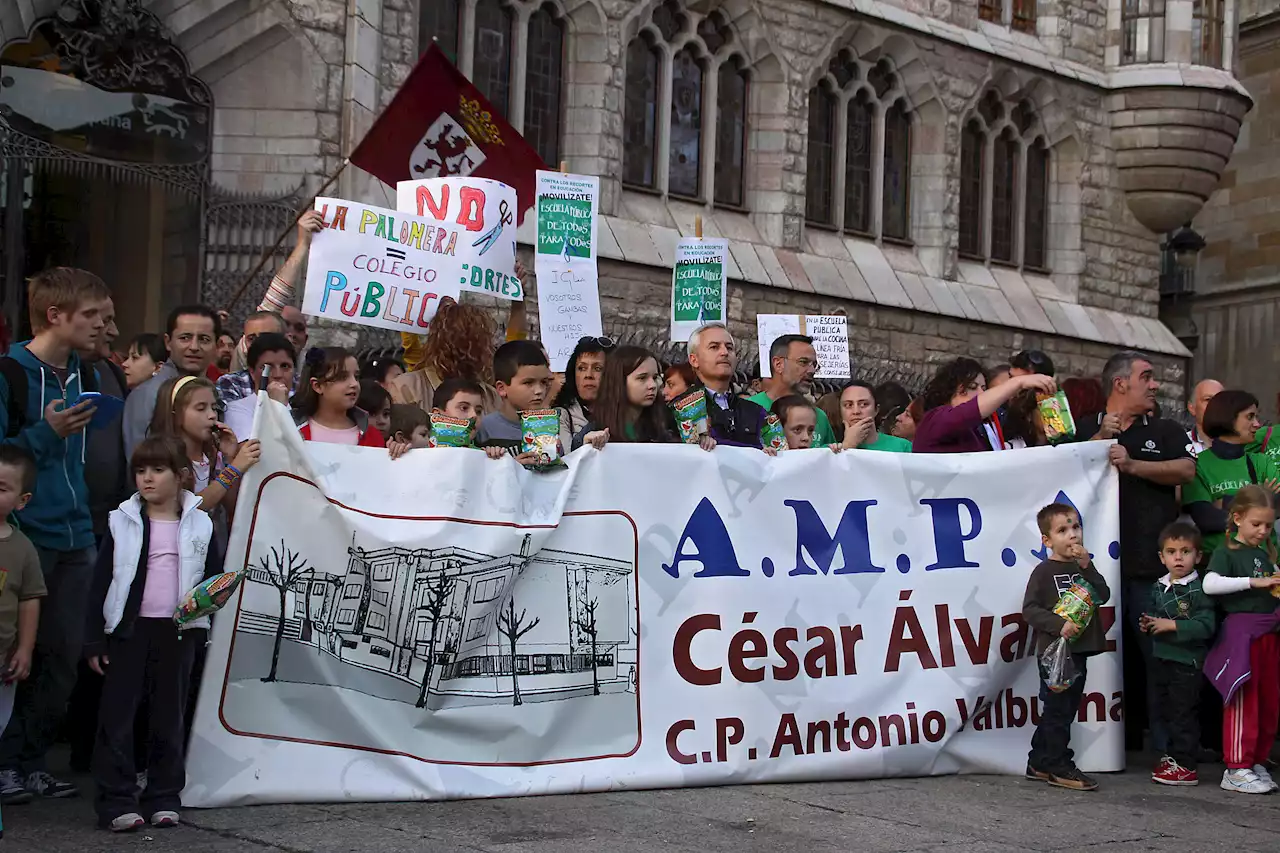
pixel 439 125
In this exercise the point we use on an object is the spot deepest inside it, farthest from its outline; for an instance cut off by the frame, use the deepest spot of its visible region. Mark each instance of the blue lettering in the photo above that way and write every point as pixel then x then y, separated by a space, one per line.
pixel 334 281
pixel 712 547
pixel 949 535
pixel 851 538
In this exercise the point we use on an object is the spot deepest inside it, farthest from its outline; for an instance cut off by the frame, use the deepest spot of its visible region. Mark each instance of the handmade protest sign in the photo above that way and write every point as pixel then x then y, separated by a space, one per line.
pixel 830 333
pixel 699 287
pixel 565 262
pixel 381 268
pixel 482 213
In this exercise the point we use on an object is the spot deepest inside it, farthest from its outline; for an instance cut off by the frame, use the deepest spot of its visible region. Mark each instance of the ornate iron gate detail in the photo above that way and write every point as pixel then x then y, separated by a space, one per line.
pixel 239 229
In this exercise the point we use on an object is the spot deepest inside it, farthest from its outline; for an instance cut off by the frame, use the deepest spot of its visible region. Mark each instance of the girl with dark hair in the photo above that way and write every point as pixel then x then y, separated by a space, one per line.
pixel 1231 422
pixel 1021 425
pixel 957 406
pixel 375 402
pixel 627 407
pixel 324 407
pixel 385 371
pixel 582 378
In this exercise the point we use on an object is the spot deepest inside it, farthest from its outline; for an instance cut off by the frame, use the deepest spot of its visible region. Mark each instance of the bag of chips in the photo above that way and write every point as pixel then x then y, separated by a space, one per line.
pixel 1075 604
pixel 691 415
pixel 1055 416
pixel 448 431
pixel 208 597
pixel 540 430
pixel 1057 667
pixel 773 434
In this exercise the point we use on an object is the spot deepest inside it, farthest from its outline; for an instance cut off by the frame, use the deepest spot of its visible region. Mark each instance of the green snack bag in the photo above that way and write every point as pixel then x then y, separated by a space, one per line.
pixel 1055 416
pixel 1075 603
pixel 448 431
pixel 208 597
pixel 541 437
pixel 691 415
pixel 772 433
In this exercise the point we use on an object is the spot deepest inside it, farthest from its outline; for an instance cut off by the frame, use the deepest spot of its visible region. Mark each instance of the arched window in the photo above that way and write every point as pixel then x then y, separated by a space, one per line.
pixel 731 132
pixel 1004 187
pixel 857 164
pixel 820 163
pixel 851 96
pixel 492 70
pixel 1016 14
pixel 544 84
pixel 686 125
pixel 971 183
pixel 438 19
pixel 640 129
pixel 1037 206
pixel 1142 31
pixel 1207 18
pixel 897 172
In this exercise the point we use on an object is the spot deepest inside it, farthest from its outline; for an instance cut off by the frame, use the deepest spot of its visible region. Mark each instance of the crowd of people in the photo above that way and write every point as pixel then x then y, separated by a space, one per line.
pixel 119 475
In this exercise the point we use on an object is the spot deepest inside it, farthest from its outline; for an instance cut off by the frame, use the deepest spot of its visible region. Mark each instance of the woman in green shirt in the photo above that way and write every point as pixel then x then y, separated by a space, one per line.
pixel 1227 465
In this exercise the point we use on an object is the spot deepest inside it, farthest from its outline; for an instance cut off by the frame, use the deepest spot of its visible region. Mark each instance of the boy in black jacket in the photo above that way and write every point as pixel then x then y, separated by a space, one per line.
pixel 1050 759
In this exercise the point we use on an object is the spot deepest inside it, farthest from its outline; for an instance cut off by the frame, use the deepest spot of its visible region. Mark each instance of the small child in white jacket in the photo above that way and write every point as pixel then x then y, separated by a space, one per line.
pixel 158 547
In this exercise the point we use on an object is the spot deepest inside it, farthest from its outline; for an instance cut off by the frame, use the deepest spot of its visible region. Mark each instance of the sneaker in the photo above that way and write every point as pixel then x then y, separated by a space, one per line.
pixel 1165 761
pixel 12 791
pixel 1072 778
pixel 165 820
pixel 127 822
pixel 42 784
pixel 1264 775
pixel 1033 775
pixel 1244 781
pixel 1173 773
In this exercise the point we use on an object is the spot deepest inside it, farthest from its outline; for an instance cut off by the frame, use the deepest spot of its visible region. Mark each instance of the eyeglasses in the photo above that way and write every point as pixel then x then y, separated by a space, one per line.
pixel 604 342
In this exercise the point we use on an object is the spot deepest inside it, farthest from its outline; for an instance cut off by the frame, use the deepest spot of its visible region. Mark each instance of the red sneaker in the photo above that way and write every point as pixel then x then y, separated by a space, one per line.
pixel 1171 772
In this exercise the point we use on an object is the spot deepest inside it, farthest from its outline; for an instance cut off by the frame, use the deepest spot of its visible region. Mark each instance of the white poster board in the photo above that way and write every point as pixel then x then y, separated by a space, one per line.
pixel 564 261
pixel 482 215
pixel 699 286
pixel 830 333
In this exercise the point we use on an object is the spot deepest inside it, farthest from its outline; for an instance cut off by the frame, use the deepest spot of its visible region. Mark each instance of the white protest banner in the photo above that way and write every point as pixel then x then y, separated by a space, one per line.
pixel 482 215
pixel 699 285
pixel 652 616
pixel 378 267
pixel 565 262
pixel 830 333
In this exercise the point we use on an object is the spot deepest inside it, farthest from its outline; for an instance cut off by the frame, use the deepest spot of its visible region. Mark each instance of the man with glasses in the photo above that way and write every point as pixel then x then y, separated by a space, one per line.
pixel 794 362
pixel 713 356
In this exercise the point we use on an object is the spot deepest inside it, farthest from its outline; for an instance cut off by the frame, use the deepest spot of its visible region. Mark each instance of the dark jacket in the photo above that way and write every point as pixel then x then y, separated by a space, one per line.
pixel 739 425
pixel 1047 583
pixel 1192 611
pixel 107 474
pixel 1227 664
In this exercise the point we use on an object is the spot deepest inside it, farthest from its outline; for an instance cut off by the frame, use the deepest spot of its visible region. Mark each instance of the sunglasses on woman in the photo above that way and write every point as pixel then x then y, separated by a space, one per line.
pixel 604 342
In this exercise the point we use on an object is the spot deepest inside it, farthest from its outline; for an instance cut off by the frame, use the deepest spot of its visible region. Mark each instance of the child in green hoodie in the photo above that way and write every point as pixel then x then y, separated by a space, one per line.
pixel 1181 622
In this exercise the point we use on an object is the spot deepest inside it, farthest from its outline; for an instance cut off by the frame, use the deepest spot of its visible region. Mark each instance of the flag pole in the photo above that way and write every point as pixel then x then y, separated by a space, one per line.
pixel 262 262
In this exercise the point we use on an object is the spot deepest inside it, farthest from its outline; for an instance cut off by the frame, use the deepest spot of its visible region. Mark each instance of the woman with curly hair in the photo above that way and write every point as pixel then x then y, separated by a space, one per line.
pixel 458 345
pixel 957 405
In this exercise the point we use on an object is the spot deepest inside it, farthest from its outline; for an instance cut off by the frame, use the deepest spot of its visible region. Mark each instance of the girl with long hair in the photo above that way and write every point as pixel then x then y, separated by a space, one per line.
pixel 627 408
pixel 324 407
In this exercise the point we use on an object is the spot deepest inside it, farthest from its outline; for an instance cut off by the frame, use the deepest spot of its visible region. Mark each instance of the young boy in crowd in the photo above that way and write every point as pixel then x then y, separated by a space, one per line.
pixel 522 377
pixel 1050 759
pixel 1181 622
pixel 410 425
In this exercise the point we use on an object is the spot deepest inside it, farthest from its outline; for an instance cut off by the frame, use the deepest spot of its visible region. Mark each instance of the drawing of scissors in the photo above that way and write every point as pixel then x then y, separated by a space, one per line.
pixel 486 240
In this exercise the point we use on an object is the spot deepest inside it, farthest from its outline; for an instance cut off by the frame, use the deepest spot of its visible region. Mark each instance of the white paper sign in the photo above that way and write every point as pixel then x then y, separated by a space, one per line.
pixel 483 215
pixel 378 267
pixel 830 333
pixel 652 616
pixel 565 262
pixel 699 286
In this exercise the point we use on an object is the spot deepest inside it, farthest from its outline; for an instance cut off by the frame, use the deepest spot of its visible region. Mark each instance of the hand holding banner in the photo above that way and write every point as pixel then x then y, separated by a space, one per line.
pixel 699 286
pixel 565 262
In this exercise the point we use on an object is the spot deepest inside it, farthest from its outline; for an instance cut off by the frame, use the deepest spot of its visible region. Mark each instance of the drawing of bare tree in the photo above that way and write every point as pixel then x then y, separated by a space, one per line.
pixel 588 626
pixel 513 628
pixel 438 593
pixel 283 570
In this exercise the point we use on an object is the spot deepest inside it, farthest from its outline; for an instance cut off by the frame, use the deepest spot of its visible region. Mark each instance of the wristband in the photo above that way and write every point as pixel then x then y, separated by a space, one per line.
pixel 234 470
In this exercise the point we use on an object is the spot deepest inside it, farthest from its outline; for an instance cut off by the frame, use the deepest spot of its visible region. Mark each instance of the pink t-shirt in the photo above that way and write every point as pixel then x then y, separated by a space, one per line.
pixel 350 435
pixel 160 594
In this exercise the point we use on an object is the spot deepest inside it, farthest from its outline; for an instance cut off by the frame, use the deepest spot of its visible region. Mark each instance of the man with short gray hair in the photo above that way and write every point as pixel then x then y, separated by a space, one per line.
pixel 713 356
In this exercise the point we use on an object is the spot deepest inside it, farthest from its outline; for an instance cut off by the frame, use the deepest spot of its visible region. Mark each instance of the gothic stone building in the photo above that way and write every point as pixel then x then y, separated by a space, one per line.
pixel 960 177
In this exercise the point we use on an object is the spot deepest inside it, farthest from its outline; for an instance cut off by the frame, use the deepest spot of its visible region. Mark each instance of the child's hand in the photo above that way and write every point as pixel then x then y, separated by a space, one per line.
pixel 19 665
pixel 1080 554
pixel 99 664
pixel 398 448
pixel 1265 583
pixel 707 443
pixel 1160 626
pixel 1069 629
pixel 769 451
pixel 528 458
pixel 247 455
pixel 494 452
pixel 597 438
pixel 836 448
pixel 227 441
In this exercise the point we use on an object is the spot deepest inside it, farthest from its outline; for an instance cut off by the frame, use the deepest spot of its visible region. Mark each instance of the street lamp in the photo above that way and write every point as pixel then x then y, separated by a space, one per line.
pixel 1185 244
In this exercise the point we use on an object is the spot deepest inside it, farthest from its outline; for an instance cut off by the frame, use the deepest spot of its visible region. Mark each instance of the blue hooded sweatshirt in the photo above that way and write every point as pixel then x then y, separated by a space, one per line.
pixel 57 518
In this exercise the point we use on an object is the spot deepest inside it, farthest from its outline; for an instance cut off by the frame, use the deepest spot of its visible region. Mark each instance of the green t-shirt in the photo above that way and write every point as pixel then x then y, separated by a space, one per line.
pixel 1267 440
pixel 822 434
pixel 889 444
pixel 1244 562
pixel 1217 480
pixel 20 580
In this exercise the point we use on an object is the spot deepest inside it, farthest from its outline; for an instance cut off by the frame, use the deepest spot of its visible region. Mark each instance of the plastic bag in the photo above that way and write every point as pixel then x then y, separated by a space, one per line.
pixel 1057 666
pixel 772 434
pixel 541 429
pixel 208 597
pixel 447 431
pixel 1075 604
pixel 1055 416
pixel 691 416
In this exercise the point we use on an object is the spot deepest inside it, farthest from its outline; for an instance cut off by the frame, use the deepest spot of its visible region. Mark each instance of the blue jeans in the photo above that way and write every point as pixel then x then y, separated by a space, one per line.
pixel 1137 601
pixel 41 700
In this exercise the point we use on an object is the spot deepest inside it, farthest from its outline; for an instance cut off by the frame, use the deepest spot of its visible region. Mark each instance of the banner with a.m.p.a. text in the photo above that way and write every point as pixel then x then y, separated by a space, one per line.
pixel 446 625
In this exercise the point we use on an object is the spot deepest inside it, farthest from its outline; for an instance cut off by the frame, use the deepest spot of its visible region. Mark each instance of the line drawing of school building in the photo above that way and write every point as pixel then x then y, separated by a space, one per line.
pixel 394 608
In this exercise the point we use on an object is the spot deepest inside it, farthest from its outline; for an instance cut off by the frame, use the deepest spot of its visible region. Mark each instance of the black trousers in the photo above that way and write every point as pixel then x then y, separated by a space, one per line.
pixel 1178 705
pixel 154 662
pixel 1051 743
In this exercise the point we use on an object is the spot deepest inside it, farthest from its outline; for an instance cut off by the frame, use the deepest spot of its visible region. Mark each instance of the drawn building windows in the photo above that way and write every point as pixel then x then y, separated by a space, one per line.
pixel 346 617
pixel 379 597
pixel 487 590
pixel 477 627
pixel 352 590
pixel 376 621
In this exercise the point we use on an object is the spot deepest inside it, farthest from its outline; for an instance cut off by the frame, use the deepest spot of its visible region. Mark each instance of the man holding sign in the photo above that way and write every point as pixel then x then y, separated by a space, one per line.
pixel 793 363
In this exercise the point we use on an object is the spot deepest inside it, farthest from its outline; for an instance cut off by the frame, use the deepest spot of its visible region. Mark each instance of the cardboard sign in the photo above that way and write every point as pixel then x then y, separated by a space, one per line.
pixel 377 267
pixel 565 262
pixel 699 286
pixel 830 333
pixel 481 214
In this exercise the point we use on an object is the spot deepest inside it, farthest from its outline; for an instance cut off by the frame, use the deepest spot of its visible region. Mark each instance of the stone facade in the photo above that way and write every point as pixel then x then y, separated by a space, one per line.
pixel 296 83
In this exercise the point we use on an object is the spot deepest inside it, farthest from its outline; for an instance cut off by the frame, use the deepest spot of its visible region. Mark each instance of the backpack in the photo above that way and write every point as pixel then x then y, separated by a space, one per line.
pixel 15 376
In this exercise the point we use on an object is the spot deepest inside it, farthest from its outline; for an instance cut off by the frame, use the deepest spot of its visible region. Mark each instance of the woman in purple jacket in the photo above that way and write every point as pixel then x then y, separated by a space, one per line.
pixel 957 405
